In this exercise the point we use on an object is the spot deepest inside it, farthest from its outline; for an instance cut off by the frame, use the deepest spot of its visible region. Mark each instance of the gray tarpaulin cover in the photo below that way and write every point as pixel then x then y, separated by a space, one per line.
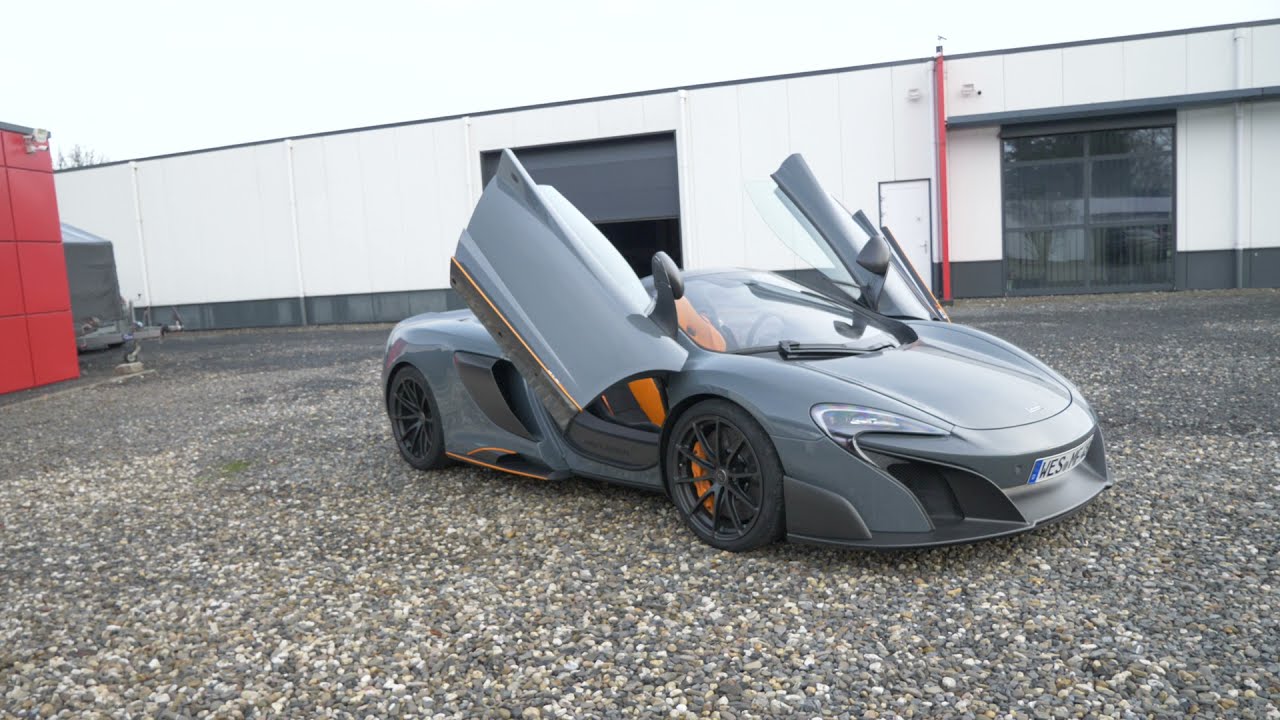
pixel 91 274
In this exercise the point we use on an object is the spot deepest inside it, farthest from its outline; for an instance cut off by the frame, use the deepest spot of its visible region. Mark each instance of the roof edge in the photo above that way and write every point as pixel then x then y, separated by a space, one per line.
pixel 518 108
pixel 677 88
pixel 1113 107
pixel 16 128
pixel 1116 38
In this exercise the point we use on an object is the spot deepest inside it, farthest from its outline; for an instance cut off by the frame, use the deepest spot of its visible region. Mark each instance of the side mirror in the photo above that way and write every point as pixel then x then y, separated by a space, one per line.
pixel 668 287
pixel 666 271
pixel 875 256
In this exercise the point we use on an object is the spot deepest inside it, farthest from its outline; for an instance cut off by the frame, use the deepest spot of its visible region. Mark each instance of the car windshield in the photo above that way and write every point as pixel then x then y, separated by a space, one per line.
pixel 815 264
pixel 737 311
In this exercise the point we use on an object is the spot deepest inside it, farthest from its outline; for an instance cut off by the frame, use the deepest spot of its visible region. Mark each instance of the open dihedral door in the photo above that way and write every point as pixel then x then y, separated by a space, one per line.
pixel 905 292
pixel 557 297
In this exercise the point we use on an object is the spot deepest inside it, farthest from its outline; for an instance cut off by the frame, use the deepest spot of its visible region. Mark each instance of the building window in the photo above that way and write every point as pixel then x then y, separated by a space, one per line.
pixel 1089 211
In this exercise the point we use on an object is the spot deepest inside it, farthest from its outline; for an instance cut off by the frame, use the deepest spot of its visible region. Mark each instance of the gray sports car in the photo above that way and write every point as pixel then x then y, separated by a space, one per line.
pixel 835 403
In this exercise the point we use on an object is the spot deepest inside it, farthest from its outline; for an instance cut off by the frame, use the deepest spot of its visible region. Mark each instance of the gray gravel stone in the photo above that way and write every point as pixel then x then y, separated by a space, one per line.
pixel 233 535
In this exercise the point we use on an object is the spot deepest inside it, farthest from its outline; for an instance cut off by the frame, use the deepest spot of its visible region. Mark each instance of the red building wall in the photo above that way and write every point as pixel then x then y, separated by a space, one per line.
pixel 37 337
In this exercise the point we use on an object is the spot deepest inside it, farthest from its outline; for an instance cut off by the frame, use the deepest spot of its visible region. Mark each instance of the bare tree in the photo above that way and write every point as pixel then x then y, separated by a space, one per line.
pixel 79 156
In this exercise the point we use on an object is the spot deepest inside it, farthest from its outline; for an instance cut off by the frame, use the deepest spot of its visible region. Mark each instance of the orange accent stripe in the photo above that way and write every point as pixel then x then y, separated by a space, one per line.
pixel 937 304
pixel 920 281
pixel 503 318
pixel 606 404
pixel 473 461
pixel 501 450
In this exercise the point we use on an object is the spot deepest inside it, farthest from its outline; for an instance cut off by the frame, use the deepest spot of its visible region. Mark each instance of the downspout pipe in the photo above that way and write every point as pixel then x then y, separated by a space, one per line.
pixel 294 236
pixel 940 126
pixel 684 173
pixel 142 235
pixel 1242 206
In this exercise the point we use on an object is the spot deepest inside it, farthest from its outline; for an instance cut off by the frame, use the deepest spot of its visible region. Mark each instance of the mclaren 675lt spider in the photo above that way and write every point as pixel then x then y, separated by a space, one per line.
pixel 835 403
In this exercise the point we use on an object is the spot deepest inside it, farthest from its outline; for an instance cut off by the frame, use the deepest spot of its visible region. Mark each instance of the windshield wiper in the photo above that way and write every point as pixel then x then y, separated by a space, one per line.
pixel 790 348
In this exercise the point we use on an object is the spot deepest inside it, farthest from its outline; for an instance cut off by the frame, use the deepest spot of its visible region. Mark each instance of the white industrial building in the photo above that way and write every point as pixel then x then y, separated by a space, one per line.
pixel 1141 162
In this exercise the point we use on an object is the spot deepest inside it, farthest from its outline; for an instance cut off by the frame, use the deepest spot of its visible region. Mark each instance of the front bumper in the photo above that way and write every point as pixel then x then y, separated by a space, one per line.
pixel 966 530
pixel 969 487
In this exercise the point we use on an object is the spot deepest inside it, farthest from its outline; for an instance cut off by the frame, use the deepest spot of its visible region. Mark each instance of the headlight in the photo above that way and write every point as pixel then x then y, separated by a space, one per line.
pixel 843 422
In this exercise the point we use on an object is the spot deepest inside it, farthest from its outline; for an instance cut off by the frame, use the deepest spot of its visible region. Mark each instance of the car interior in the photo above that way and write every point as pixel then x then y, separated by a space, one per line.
pixel 641 404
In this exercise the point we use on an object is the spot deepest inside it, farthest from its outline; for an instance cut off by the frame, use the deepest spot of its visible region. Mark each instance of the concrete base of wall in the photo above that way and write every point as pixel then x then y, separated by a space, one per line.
pixel 1203 270
pixel 1216 269
pixel 1262 268
pixel 379 307
pixel 276 312
pixel 1206 270
pixel 287 312
pixel 973 279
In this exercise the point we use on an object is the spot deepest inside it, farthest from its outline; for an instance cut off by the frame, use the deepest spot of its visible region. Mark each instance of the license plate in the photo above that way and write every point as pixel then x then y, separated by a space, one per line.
pixel 1055 465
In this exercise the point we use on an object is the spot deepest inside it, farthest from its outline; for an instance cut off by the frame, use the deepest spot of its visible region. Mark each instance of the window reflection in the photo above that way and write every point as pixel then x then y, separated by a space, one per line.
pixel 1036 196
pixel 1089 210
pixel 1131 189
pixel 1046 259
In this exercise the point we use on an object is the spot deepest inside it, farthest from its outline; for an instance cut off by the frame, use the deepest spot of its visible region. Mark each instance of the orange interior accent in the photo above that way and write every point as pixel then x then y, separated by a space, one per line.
pixel 607 406
pixel 502 317
pixel 701 486
pixel 649 399
pixel 698 327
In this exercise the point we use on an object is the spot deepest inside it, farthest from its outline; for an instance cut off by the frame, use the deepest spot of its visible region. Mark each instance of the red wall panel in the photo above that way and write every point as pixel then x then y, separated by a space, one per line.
pixel 44 277
pixel 35 206
pixel 53 347
pixel 16 155
pixel 6 217
pixel 10 282
pixel 37 337
pixel 15 355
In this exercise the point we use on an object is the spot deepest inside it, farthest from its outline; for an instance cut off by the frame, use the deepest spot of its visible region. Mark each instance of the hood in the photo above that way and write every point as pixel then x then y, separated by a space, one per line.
pixel 959 385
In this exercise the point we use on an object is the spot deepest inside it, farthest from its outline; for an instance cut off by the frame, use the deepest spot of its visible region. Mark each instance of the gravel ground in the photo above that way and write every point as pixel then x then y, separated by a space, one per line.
pixel 233 534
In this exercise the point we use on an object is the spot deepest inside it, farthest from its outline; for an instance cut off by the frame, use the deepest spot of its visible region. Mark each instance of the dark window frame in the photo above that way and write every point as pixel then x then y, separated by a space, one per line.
pixel 1086 160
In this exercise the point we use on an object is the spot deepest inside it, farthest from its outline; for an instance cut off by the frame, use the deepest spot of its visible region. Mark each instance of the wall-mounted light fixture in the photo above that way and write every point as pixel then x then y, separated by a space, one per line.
pixel 37 140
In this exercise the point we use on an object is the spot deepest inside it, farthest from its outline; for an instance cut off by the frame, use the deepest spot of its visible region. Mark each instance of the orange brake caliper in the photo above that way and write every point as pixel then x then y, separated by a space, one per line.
pixel 701 486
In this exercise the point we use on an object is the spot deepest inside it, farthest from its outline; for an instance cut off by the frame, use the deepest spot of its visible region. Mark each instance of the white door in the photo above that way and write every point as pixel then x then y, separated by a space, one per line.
pixel 906 209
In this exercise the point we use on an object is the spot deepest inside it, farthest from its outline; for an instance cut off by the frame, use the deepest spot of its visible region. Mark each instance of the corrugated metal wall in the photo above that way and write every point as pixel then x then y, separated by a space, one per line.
pixel 363 213
pixel 379 211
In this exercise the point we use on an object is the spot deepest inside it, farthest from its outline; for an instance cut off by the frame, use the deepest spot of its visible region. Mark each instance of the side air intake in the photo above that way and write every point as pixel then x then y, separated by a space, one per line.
pixel 951 496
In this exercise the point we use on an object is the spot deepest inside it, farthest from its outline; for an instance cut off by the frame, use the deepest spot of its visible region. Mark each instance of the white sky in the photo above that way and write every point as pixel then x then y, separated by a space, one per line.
pixel 131 78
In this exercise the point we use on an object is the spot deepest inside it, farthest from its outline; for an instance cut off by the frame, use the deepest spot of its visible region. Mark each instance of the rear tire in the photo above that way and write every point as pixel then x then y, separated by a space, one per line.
pixel 415 420
pixel 725 477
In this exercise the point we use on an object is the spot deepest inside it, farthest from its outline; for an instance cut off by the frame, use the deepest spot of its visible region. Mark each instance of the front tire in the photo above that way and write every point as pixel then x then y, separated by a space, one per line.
pixel 724 476
pixel 415 420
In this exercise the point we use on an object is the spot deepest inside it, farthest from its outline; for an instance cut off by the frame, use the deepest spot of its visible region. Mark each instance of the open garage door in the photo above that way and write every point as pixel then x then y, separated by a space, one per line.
pixel 627 186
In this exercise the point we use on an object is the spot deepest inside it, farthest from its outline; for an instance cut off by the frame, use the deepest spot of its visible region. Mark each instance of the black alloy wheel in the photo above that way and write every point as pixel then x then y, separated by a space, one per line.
pixel 725 477
pixel 415 422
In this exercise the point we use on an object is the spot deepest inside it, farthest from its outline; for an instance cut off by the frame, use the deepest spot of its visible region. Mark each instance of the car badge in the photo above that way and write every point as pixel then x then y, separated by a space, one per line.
pixel 1034 409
